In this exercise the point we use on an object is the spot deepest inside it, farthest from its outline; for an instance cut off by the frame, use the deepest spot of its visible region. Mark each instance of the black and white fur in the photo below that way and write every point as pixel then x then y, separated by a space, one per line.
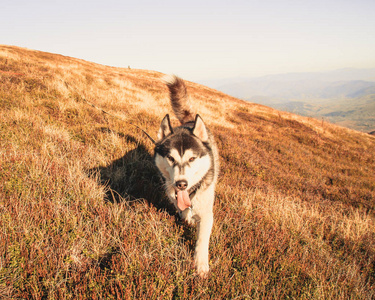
pixel 187 157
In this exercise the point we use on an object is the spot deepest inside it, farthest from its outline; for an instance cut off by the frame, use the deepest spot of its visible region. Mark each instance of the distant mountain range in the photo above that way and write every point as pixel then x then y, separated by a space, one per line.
pixel 345 96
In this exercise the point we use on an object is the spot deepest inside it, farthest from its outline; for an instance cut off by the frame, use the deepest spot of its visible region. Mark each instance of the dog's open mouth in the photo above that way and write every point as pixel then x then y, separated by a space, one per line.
pixel 183 199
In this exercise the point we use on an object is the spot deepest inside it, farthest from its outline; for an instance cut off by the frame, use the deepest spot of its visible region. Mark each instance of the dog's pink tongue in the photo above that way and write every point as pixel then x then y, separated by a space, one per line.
pixel 183 200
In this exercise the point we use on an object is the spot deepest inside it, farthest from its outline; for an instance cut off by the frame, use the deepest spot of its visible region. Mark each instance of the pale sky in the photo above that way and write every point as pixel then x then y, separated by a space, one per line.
pixel 199 40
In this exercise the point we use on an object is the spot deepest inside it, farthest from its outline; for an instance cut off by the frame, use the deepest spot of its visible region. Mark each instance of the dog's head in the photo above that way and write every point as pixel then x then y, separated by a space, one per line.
pixel 182 155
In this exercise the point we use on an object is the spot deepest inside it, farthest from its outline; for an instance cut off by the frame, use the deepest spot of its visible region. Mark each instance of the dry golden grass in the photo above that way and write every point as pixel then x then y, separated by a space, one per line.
pixel 83 214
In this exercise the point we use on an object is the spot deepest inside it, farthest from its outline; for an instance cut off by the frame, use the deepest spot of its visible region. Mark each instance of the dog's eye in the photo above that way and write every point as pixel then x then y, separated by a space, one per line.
pixel 192 159
pixel 170 158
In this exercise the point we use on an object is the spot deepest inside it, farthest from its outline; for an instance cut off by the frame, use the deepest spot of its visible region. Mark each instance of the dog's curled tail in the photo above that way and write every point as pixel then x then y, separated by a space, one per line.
pixel 179 99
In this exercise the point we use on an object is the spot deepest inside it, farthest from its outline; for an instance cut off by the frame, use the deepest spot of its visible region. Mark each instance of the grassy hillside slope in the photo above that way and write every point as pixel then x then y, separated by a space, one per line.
pixel 83 215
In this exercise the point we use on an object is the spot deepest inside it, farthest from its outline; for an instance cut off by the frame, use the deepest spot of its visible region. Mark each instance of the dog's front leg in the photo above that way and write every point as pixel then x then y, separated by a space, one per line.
pixel 204 227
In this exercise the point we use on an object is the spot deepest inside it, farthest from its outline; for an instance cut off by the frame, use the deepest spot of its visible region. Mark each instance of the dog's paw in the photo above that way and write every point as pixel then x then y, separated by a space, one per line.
pixel 190 221
pixel 187 216
pixel 202 269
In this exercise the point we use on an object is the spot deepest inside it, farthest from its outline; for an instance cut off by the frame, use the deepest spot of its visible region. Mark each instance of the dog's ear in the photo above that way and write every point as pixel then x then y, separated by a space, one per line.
pixel 200 129
pixel 165 128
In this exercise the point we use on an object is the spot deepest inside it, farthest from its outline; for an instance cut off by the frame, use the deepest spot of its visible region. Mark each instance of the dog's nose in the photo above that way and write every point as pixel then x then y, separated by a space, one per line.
pixel 181 184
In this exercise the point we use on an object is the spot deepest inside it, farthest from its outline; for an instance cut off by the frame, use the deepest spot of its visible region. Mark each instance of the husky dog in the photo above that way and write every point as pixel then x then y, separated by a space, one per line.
pixel 187 157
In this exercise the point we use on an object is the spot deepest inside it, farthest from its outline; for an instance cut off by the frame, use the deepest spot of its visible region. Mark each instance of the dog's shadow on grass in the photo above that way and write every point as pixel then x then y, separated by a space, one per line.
pixel 134 177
